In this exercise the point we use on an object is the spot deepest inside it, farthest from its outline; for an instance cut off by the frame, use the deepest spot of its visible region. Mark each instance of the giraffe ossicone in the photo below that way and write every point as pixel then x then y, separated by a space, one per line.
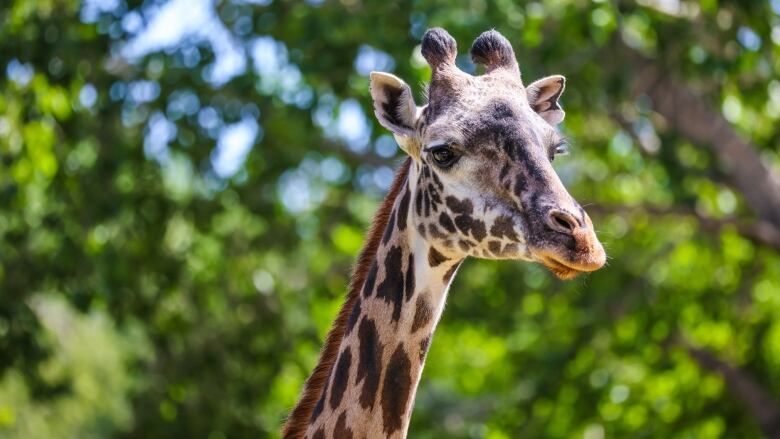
pixel 478 182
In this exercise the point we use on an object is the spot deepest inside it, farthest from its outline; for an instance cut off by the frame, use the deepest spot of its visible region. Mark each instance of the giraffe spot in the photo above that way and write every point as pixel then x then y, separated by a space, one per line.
pixel 462 207
pixel 467 225
pixel 368 287
pixel 435 258
pixel 519 187
pixel 511 248
pixel 319 434
pixel 504 226
pixel 418 202
pixel 435 232
pixel 446 222
pixel 353 316
pixel 396 389
pixel 424 345
pixel 340 378
pixel 422 314
pixel 478 230
pixel 390 228
pixel 370 356
pixel 421 230
pixel 410 277
pixel 435 198
pixel 465 245
pixel 437 181
pixel 341 430
pixel 495 247
pixel 448 275
pixel 464 223
pixel 427 203
pixel 403 210
pixel 320 405
pixel 392 287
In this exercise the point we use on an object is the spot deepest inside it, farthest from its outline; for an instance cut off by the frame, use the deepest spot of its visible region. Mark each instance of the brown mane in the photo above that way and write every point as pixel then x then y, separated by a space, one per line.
pixel 299 418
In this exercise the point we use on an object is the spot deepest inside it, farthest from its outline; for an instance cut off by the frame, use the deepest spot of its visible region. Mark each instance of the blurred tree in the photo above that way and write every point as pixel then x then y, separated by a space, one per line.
pixel 199 176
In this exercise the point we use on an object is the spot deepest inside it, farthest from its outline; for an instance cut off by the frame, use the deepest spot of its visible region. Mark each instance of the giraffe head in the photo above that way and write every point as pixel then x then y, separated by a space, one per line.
pixel 484 146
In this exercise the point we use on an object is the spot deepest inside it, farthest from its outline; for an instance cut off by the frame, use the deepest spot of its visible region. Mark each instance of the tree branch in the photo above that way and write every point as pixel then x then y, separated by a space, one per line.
pixel 694 118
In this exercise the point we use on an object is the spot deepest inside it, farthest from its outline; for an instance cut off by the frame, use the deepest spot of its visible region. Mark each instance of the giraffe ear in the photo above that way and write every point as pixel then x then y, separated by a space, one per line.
pixel 393 104
pixel 543 96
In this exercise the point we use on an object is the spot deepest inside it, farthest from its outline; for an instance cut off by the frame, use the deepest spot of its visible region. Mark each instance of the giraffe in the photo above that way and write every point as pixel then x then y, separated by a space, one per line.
pixel 478 181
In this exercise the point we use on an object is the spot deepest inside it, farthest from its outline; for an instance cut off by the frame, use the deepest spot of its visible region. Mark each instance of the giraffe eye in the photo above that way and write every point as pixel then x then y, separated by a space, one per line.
pixel 444 156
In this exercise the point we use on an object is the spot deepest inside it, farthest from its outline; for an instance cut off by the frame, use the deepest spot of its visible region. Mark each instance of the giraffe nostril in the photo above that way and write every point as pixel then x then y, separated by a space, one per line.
pixel 562 221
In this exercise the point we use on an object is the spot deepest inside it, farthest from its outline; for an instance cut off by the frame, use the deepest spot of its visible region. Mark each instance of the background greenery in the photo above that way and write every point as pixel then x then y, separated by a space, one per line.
pixel 184 186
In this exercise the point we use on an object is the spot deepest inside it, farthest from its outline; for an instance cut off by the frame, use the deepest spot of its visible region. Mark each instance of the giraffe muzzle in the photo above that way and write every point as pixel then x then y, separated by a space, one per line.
pixel 573 248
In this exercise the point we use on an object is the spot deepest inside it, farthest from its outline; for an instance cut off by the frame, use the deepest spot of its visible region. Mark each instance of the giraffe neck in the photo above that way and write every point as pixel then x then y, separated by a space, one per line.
pixel 371 386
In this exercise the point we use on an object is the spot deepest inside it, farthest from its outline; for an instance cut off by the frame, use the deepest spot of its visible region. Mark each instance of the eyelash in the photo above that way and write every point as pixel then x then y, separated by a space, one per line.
pixel 561 147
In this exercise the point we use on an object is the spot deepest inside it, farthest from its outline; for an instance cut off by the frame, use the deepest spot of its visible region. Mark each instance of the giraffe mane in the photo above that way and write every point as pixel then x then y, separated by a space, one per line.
pixel 298 421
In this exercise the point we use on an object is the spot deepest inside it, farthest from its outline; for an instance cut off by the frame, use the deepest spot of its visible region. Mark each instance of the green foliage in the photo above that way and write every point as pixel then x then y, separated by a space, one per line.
pixel 145 294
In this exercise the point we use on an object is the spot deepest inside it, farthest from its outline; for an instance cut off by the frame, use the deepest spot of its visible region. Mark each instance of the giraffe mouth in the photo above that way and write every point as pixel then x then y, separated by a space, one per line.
pixel 560 269
pixel 566 269
pixel 569 254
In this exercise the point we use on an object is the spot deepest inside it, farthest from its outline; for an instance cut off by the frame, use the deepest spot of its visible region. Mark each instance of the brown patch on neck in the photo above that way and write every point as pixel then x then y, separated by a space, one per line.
pixel 300 417
pixel 435 258
pixel 422 314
